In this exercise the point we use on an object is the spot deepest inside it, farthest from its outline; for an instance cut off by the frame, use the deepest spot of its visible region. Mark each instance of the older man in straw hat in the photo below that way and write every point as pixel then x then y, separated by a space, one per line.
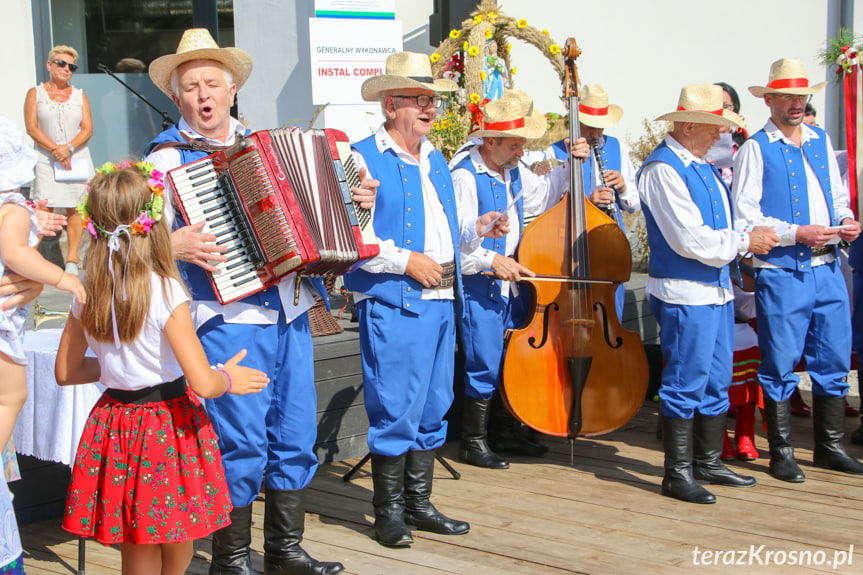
pixel 786 177
pixel 406 296
pixel 489 177
pixel 690 230
pixel 271 434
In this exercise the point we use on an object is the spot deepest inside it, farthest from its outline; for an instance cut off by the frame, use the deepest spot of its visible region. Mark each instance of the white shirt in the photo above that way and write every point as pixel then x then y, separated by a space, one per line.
pixel 537 197
pixel 438 243
pixel 628 200
pixel 149 360
pixel 747 191
pixel 234 312
pixel 665 194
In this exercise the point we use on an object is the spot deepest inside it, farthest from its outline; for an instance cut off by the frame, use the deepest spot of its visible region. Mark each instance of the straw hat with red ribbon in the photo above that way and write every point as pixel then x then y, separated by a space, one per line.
pixel 405 70
pixel 702 104
pixel 594 109
pixel 511 116
pixel 197 44
pixel 787 76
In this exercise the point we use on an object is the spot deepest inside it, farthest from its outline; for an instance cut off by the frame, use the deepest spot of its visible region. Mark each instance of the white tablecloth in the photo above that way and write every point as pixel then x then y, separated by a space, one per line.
pixel 53 417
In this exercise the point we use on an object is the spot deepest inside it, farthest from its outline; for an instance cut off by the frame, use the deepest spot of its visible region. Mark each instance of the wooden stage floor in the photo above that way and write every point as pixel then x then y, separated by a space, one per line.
pixel 604 515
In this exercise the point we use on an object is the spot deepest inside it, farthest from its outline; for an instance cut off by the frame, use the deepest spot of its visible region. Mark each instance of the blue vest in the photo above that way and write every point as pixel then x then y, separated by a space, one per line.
pixel 196 279
pixel 491 196
pixel 705 188
pixel 400 217
pixel 785 194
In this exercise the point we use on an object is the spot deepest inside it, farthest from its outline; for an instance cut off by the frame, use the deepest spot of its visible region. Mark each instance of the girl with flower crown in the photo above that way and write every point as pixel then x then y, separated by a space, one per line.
pixel 148 472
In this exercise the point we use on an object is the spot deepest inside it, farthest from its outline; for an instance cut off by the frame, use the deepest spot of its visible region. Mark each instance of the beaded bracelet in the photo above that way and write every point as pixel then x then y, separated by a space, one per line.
pixel 230 381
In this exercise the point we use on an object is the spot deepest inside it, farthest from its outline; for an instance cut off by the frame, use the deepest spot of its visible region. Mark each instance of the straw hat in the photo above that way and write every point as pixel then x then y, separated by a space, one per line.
pixel 511 116
pixel 17 159
pixel 702 104
pixel 405 70
pixel 787 76
pixel 594 110
pixel 197 44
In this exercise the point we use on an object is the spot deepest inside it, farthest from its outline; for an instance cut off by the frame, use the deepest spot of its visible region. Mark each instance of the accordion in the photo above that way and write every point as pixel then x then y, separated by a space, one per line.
pixel 280 202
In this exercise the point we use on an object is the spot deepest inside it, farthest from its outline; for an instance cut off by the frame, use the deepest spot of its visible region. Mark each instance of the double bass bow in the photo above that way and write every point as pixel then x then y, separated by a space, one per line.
pixel 572 368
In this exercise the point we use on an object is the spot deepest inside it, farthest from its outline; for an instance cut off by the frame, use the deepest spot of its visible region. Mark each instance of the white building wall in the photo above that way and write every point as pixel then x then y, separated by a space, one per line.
pixel 642 52
pixel 16 58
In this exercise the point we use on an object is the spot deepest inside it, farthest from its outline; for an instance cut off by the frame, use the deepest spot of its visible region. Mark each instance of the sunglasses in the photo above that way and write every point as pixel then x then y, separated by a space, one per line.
pixel 64 63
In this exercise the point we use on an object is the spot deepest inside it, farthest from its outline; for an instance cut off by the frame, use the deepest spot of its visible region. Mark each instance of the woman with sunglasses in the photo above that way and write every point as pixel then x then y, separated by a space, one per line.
pixel 58 119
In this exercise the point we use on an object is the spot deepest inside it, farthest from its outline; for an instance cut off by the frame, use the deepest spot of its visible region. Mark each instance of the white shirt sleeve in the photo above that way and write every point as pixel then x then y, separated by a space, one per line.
pixel 628 200
pixel 838 187
pixel 665 194
pixel 474 258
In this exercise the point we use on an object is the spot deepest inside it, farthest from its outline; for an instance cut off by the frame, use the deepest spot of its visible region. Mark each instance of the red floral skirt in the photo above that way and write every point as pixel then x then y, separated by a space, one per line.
pixel 148 473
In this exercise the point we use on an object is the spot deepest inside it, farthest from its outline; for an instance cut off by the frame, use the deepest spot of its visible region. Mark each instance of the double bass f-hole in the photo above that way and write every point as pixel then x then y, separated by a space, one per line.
pixel 545 313
pixel 618 341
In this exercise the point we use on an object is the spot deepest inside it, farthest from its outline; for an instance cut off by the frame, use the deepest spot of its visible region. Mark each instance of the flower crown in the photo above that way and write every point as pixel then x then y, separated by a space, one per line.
pixel 152 212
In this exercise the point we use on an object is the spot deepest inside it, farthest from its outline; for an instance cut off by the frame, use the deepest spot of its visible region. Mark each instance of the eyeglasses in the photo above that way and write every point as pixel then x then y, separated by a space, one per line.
pixel 64 63
pixel 423 100
pixel 804 98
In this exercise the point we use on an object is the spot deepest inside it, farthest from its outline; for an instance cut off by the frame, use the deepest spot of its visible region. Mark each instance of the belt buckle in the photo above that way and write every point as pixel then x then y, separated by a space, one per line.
pixel 822 251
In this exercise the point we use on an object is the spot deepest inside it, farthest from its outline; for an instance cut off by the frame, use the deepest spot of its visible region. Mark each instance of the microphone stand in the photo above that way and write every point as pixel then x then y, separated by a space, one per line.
pixel 167 122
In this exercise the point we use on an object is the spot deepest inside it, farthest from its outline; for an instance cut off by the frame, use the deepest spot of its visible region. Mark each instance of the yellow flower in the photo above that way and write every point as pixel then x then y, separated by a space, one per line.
pixel 508 48
pixel 477 19
pixel 512 72
pixel 488 34
pixel 434 57
pixel 521 23
pixel 474 98
pixel 473 51
pixel 464 46
pixel 492 15
pixel 482 75
pixel 554 49
pixel 454 34
pixel 546 32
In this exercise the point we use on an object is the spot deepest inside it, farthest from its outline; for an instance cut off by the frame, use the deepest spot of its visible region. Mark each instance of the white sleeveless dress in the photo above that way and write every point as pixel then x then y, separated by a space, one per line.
pixel 61 121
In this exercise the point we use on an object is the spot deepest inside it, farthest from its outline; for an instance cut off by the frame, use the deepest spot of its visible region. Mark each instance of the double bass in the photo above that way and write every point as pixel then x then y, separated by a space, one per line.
pixel 572 368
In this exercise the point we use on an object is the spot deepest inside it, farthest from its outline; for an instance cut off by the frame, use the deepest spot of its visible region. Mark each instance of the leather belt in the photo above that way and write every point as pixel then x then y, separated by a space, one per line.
pixel 447 279
pixel 822 251
pixel 161 392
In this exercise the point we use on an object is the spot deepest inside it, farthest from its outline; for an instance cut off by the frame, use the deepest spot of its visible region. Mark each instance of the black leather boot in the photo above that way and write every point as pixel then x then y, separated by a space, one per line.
pixel 474 431
pixel 388 476
pixel 419 511
pixel 231 545
pixel 709 434
pixel 284 521
pixel 777 415
pixel 508 435
pixel 828 424
pixel 857 436
pixel 678 481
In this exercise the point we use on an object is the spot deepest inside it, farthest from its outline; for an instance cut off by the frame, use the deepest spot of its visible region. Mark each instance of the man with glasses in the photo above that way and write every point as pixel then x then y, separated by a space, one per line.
pixel 786 177
pixel 406 298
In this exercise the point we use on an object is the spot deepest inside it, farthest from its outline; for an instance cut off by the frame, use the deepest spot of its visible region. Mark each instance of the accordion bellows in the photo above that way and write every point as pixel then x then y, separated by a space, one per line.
pixel 280 201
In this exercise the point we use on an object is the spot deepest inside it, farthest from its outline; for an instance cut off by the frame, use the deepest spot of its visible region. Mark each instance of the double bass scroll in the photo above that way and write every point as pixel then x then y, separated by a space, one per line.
pixel 571 368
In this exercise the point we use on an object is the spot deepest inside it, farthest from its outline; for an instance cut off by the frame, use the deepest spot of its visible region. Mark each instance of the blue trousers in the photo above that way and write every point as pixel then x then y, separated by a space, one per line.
pixel 408 363
pixel 274 430
pixel 803 314
pixel 482 328
pixel 697 344
pixel 857 314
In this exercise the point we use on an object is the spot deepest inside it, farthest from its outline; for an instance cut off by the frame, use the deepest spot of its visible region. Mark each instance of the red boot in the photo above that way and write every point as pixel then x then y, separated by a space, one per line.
pixel 744 432
pixel 798 406
pixel 728 452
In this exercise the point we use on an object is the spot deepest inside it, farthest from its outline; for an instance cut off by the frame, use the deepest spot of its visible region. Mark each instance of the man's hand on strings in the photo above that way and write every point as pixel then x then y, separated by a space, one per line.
pixel 190 245
pixel 581 149
pixel 365 194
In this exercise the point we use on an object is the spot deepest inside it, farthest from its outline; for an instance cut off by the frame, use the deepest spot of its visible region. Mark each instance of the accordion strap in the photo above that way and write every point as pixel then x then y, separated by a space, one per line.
pixel 190 144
